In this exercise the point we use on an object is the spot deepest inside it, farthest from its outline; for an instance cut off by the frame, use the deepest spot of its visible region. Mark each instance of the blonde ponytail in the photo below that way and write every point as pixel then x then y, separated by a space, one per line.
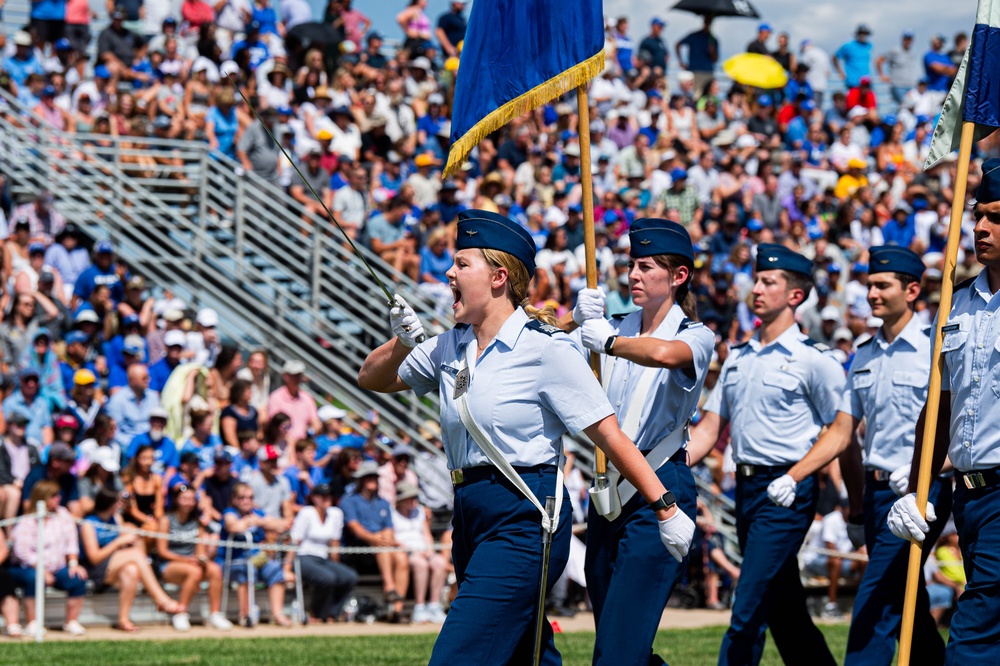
pixel 517 284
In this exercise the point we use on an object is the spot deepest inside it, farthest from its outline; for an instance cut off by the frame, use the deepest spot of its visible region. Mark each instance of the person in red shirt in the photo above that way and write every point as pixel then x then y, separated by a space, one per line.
pixel 862 96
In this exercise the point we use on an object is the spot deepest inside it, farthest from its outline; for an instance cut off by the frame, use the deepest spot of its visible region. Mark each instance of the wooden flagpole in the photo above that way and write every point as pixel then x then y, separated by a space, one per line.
pixel 590 246
pixel 914 570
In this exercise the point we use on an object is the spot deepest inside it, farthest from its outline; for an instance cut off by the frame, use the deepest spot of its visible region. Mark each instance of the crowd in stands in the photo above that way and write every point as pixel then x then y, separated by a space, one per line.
pixel 113 393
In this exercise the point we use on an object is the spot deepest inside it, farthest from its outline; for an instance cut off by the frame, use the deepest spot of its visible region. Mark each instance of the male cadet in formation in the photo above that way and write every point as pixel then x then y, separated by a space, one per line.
pixel 778 390
pixel 887 386
pixel 968 433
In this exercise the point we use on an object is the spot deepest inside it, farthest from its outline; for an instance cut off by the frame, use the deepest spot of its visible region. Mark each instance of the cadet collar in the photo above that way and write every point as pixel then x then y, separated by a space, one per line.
pixel 911 334
pixel 508 334
pixel 787 340
pixel 981 286
pixel 669 325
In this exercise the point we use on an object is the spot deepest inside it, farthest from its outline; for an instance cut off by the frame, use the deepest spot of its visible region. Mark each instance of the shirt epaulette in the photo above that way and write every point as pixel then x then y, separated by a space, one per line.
pixel 867 342
pixel 818 346
pixel 928 331
pixel 461 327
pixel 547 329
pixel 689 323
pixel 741 345
pixel 965 283
pixel 620 316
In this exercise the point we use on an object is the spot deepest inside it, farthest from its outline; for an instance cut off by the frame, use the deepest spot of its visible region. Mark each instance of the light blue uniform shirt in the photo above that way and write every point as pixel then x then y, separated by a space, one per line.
pixel 887 385
pixel 971 351
pixel 777 397
pixel 131 415
pixel 527 389
pixel 673 395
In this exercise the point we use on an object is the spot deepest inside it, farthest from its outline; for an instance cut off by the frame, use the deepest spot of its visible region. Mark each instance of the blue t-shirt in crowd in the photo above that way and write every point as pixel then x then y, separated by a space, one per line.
pixel 936 81
pixel 698 44
pixel 206 453
pixel 374 515
pixel 258 51
pixel 226 126
pixel 434 265
pixel 299 489
pixel 902 235
pixel 48 10
pixel 165 453
pixel 159 373
pixel 856 59
pixel 93 276
pixel 257 533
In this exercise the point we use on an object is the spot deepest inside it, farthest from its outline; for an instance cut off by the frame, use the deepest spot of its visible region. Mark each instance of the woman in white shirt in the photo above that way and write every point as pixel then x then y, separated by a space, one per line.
pixel 316 529
pixel 413 532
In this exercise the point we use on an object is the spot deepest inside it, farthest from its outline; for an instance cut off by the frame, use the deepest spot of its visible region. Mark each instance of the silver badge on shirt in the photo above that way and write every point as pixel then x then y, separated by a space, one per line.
pixel 461 383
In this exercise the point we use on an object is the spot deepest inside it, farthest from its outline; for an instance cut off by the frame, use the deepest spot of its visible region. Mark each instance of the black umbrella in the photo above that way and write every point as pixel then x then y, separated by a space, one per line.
pixel 738 8
pixel 314 33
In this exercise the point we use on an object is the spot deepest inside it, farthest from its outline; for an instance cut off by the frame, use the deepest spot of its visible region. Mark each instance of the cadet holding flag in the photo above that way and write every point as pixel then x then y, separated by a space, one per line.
pixel 654 369
pixel 510 387
pixel 887 386
pixel 968 433
pixel 778 391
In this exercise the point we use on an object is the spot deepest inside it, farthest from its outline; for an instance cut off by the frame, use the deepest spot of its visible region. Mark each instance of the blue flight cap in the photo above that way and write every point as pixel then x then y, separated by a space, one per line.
pixel 649 236
pixel 771 256
pixel 75 336
pixel 989 187
pixel 895 259
pixel 492 231
pixel 764 100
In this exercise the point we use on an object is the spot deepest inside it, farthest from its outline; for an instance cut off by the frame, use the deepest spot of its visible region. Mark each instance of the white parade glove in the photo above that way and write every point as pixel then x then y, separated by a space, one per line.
pixel 595 333
pixel 676 533
pixel 905 520
pixel 405 324
pixel 782 490
pixel 856 533
pixel 899 480
pixel 589 305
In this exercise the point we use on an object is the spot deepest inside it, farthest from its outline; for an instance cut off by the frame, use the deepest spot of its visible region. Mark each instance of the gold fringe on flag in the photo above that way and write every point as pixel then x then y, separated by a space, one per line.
pixel 572 78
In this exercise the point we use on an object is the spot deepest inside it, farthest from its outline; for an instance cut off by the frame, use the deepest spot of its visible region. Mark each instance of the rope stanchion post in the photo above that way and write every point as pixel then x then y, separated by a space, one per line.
pixel 40 514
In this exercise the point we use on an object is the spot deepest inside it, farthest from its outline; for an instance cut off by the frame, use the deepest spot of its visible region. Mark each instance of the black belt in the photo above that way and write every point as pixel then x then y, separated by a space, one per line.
pixel 467 475
pixel 877 478
pixel 747 471
pixel 981 478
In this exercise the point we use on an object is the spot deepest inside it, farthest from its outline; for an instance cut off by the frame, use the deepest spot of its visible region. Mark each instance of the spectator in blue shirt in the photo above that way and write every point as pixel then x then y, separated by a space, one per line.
pixel 133 352
pixel 175 343
pixel 328 443
pixel 57 468
pixel 222 125
pixel 254 44
pixel 938 67
pixel 368 522
pixel 901 229
pixel 27 401
pixel 853 59
pixel 623 45
pixel 24 61
pixel 76 357
pixel 304 475
pixel 166 458
pixel 703 51
pixel 131 406
pixel 203 441
pixel 245 462
pixel 103 271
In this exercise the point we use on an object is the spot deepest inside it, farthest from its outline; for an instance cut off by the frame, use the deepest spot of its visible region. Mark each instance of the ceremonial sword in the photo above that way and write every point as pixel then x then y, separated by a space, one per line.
pixel 390 299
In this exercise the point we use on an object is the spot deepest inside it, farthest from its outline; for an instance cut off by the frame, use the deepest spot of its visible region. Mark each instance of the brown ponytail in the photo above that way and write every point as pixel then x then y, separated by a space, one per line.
pixel 517 283
pixel 683 295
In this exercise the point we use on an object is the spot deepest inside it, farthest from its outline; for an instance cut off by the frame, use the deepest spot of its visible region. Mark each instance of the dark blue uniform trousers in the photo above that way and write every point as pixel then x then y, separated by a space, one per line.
pixel 630 574
pixel 878 608
pixel 975 627
pixel 497 552
pixel 769 592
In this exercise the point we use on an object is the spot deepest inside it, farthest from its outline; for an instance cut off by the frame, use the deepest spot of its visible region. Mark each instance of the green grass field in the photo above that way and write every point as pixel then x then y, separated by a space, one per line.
pixel 689 647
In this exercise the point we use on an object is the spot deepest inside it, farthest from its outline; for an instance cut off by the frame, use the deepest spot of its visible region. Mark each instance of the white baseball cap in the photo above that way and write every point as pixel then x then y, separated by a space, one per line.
pixel 207 317
pixel 293 367
pixel 328 412
pixel 175 338
pixel 105 458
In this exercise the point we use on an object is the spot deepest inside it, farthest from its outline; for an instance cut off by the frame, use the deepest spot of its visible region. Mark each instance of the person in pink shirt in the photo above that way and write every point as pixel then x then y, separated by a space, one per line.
pixel 295 401
pixel 396 471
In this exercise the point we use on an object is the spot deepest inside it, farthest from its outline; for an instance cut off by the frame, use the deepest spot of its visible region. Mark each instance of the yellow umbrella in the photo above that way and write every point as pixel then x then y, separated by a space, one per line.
pixel 758 71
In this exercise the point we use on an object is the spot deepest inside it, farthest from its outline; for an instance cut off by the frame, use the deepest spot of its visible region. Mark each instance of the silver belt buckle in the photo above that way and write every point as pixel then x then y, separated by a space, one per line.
pixel 457 477
pixel 746 470
pixel 974 480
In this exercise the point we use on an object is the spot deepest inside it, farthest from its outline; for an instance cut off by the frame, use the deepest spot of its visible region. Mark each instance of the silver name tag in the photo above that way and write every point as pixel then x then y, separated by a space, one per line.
pixel 461 383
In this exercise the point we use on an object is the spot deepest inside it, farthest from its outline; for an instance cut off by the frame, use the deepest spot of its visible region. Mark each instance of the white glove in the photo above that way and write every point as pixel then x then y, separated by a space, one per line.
pixel 906 522
pixel 899 480
pixel 782 490
pixel 405 324
pixel 676 533
pixel 589 305
pixel 595 333
pixel 856 533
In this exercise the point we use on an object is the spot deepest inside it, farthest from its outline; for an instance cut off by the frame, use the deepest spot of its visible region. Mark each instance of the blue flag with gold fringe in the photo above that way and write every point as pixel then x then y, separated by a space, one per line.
pixel 518 55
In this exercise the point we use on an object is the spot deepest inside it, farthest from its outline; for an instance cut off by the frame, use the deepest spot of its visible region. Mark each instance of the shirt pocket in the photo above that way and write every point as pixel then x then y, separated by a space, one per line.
pixel 782 380
pixel 907 385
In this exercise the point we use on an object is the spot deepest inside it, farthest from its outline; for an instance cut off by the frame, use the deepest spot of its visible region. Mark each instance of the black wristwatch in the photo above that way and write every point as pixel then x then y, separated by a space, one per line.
pixel 665 502
pixel 609 344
